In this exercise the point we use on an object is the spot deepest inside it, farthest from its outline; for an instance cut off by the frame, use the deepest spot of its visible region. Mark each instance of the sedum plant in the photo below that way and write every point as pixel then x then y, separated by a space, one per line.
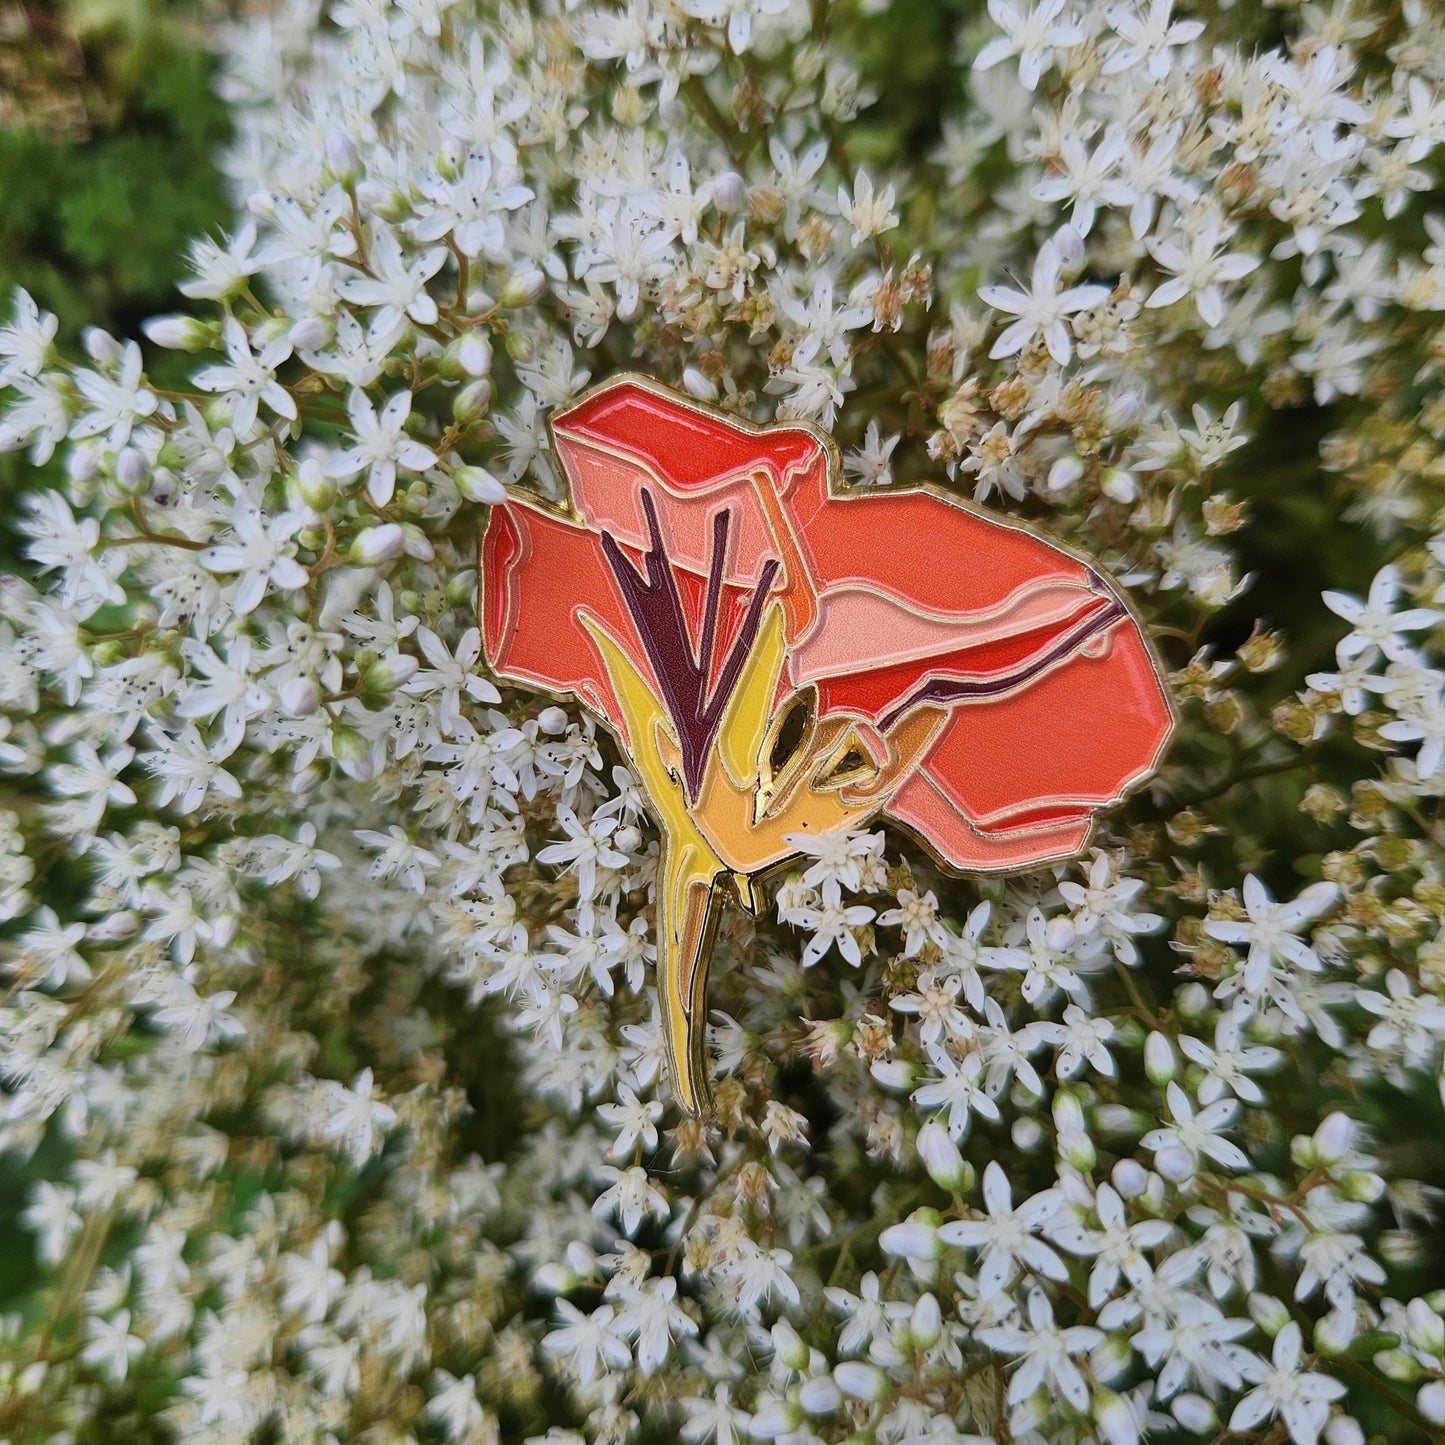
pixel 334 1107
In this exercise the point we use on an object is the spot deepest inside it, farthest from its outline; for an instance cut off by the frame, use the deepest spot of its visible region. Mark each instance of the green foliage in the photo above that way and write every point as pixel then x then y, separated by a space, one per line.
pixel 94 228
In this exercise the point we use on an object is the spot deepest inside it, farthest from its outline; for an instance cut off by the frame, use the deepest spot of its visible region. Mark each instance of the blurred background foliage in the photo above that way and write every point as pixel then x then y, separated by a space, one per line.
pixel 108 130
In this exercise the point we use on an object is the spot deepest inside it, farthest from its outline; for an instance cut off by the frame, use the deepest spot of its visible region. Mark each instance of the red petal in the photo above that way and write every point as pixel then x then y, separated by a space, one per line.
pixel 627 437
pixel 1014 781
pixel 538 572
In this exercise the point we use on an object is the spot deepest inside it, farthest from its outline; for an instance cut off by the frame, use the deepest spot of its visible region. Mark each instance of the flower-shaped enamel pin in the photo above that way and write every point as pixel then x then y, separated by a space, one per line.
pixel 780 658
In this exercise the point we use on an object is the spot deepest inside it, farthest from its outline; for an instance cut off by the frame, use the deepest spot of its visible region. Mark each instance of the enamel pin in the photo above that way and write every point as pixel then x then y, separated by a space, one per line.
pixel 778 657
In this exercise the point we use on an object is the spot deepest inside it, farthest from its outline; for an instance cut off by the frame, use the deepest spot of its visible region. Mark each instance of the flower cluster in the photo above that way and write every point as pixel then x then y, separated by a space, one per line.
pixel 329 1043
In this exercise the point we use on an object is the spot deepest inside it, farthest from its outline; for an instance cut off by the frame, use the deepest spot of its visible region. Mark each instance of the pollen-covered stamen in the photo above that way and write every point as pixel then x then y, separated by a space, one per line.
pixel 682 670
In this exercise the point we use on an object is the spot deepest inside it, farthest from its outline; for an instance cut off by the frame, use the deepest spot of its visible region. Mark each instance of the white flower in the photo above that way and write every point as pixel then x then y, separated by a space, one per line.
pixel 381 445
pixel 1179 1146
pixel 1032 35
pixel 634 1120
pixel 26 341
pixel 114 406
pixel 1270 929
pixel 1375 626
pixel 110 1347
pixel 1199 267
pixel 832 922
pixel 354 1118
pixel 1283 1388
pixel 454 1406
pixel 586 848
pixel 222 269
pixel 737 15
pixel 1089 178
pixel 1004 1237
pixel 958 1087
pixel 451 675
pixel 1042 308
pixel 395 286
pixel 870 464
pixel 61 543
pixel 470 207
pixel 261 552
pixel 587 1343
pixel 869 214
pixel 249 378
pixel 1045 1353
pixel 1148 38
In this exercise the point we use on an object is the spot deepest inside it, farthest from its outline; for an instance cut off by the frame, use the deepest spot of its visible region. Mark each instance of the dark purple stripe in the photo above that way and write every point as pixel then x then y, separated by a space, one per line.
pixel 655 606
pixel 961 689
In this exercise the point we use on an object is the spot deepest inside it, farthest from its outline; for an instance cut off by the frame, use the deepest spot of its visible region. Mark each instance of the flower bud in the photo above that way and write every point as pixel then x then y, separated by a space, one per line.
pixel 1078 1149
pixel 474 353
pixel 378 544
pixel 1399 1365
pixel 101 346
pixel 925 1324
pixel 941 1158
pixel 1335 1332
pixel 552 721
pixel 789 1346
pixel 477 484
pixel 820 1396
pixel 314 488
pixel 1111 1359
pixel 1118 485
pixel 1343 1430
pixel 343 159
pixel 896 1074
pixel 777 1417
pixel 472 402
pixel 180 333
pixel 300 696
pixel 1130 1178
pixel 1174 1164
pixel 520 348
pixel 1194 1412
pixel 1332 1138
pixel 1159 1061
pixel 1426 1328
pixel 132 470
pixel 416 543
pixel 390 672
pixel 352 753
pixel 1065 472
pixel 522 288
pixel 916 1238
pixel 860 1380
pixel 1269 1313
pixel 554 1278
pixel 1114 1421
pixel 729 191
pixel 1431 1402
pixel 309 333
pixel 1360 1186
pixel 696 384
pixel 1027 1133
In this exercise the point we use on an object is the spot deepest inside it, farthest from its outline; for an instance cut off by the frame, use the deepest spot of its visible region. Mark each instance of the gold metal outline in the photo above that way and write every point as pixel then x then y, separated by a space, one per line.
pixel 755 883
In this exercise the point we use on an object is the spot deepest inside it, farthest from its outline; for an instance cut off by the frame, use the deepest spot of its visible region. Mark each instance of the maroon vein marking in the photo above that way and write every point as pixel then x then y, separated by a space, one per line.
pixel 964 689
pixel 682 674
